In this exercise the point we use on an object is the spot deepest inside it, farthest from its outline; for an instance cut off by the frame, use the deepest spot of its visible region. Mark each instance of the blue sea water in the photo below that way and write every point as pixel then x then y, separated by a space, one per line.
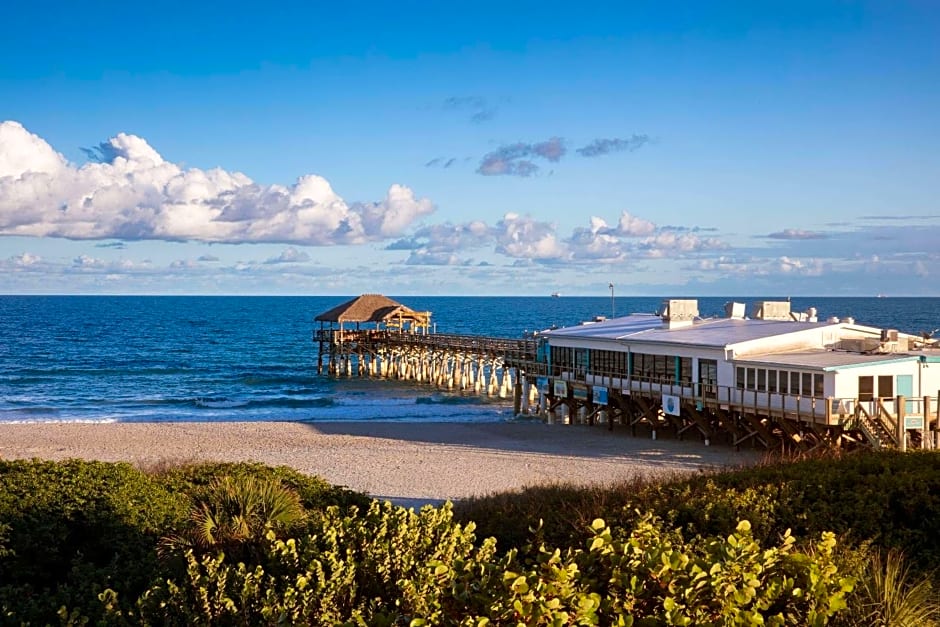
pixel 194 358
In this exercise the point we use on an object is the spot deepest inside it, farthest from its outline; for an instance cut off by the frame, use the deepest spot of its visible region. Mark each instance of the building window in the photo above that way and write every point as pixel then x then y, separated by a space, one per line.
pixel 886 386
pixel 866 388
pixel 795 383
pixel 761 380
pixel 772 381
pixel 608 363
pixel 740 378
pixel 685 370
pixel 708 377
pixel 662 368
pixel 818 389
pixel 784 382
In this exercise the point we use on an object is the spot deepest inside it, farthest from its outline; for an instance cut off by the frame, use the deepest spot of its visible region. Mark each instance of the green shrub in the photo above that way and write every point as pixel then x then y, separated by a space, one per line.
pixel 195 480
pixel 72 529
pixel 889 498
pixel 372 568
pixel 394 567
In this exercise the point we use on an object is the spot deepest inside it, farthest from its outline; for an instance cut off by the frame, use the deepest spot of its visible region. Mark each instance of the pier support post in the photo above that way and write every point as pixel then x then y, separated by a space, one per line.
pixel 902 432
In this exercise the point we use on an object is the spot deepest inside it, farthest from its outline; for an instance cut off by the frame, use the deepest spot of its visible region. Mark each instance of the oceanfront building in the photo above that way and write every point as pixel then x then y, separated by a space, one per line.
pixel 777 377
pixel 774 379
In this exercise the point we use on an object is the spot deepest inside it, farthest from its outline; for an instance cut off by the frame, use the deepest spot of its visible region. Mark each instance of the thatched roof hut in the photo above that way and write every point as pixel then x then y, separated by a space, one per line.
pixel 377 309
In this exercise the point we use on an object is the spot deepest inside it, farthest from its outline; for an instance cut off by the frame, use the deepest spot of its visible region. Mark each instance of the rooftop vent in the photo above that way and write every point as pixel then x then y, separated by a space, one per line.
pixel 679 313
pixel 772 310
pixel 734 310
pixel 889 335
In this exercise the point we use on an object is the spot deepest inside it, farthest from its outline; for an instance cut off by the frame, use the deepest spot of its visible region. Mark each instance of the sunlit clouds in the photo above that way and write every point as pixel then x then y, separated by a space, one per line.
pixel 131 193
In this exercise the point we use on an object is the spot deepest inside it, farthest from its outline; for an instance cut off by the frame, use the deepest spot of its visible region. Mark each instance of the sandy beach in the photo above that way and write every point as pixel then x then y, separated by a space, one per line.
pixel 408 463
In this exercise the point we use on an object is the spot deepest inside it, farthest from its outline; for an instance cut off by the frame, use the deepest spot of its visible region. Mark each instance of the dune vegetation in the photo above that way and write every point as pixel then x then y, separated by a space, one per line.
pixel 837 541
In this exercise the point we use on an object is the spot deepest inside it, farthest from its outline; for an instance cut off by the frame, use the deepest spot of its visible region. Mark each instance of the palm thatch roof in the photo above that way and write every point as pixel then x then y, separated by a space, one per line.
pixel 370 308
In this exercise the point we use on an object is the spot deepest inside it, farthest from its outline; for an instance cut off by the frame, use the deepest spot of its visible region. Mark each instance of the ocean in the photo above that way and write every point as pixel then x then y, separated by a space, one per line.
pixel 237 358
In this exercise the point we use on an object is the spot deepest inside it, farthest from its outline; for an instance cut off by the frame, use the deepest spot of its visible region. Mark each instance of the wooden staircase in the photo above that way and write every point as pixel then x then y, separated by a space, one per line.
pixel 877 429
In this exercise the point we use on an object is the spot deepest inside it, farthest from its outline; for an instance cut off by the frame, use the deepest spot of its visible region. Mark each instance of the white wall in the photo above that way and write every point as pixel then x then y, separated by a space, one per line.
pixel 846 379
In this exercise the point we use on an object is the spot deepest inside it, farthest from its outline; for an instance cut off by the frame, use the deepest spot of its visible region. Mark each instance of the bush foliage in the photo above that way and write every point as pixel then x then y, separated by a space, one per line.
pixel 222 544
pixel 890 498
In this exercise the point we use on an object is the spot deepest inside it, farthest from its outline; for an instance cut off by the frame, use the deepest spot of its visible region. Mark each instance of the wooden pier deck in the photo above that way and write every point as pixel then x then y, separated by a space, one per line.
pixel 505 367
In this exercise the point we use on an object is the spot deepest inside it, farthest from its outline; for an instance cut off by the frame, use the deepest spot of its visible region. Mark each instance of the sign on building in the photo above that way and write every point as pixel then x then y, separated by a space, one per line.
pixel 671 405
pixel 561 388
pixel 914 422
pixel 600 395
pixel 541 384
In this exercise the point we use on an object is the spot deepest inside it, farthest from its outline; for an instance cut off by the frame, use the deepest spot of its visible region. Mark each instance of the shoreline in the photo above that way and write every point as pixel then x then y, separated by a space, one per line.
pixel 411 463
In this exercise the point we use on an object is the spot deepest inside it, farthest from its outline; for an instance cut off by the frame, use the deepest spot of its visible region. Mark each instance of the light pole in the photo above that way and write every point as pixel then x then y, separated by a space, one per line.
pixel 612 312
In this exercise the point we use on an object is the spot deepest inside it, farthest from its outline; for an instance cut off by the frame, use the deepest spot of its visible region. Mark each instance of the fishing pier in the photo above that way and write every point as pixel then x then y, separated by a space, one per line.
pixel 777 381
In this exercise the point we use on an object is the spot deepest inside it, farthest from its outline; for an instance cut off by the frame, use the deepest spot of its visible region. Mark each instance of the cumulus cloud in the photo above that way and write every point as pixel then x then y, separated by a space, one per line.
pixel 751 266
pixel 632 226
pixel 597 242
pixel 289 255
pixel 207 258
pixel 423 257
pixel 130 192
pixel 516 159
pixel 798 234
pixel 523 236
pixel 671 244
pixel 25 259
pixel 808 267
pixel 605 146
pixel 447 237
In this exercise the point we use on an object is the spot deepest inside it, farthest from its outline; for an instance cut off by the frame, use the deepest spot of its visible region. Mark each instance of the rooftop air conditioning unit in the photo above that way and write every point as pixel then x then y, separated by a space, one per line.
pixel 734 310
pixel 889 335
pixel 772 310
pixel 679 313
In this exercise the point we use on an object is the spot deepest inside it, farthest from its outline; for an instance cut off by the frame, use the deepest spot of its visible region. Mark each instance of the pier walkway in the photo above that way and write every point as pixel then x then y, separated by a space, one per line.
pixel 505 367
pixel 591 384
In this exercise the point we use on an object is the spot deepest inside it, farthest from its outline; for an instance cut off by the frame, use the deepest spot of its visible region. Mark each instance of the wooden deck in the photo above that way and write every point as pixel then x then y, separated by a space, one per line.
pixel 505 366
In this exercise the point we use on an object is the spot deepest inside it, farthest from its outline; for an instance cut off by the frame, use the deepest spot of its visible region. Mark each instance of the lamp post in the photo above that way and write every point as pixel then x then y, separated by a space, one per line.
pixel 612 312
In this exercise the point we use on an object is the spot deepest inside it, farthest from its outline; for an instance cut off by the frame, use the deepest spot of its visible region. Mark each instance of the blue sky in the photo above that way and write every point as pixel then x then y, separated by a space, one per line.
pixel 471 148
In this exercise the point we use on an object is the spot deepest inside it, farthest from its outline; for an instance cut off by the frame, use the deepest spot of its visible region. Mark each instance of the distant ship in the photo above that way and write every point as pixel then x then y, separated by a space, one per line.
pixel 556 294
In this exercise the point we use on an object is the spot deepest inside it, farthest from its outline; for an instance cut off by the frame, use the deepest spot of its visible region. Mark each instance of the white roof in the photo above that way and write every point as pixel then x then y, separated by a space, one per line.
pixel 713 332
pixel 822 359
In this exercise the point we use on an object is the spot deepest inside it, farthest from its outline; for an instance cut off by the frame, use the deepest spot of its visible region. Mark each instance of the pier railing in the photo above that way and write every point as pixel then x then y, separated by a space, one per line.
pixel 884 413
pixel 472 362
pixel 517 350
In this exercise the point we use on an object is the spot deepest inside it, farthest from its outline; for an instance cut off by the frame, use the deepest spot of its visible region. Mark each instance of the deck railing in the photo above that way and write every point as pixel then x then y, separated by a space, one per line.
pixel 510 348
pixel 879 416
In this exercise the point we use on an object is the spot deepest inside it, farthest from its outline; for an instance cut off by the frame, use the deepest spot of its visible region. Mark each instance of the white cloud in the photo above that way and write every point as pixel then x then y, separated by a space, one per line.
pixel 132 193
pixel 672 244
pixel 797 234
pixel 632 226
pixel 598 243
pixel 26 259
pixel 422 257
pixel 518 236
pixel 87 261
pixel 523 237
pixel 289 255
